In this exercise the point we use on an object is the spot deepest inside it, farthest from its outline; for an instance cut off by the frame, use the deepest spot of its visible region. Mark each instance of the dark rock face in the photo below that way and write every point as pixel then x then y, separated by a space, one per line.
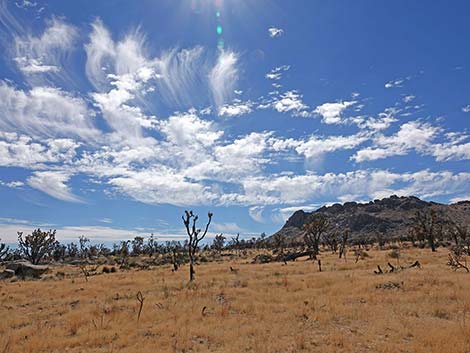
pixel 297 219
pixel 391 216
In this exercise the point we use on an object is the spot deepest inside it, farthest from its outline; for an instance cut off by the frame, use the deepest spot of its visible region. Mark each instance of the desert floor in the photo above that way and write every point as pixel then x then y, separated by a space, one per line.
pixel 256 308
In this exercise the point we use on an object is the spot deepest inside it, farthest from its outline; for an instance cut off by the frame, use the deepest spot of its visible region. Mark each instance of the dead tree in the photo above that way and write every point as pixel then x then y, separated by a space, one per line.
pixel 458 261
pixel 425 227
pixel 87 272
pixel 35 246
pixel 313 230
pixel 461 236
pixel 236 244
pixel 344 242
pixel 331 240
pixel 195 236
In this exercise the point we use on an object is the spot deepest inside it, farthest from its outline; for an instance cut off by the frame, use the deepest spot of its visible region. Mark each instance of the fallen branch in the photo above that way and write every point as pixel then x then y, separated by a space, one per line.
pixel 455 262
pixel 294 256
pixel 394 269
pixel 140 299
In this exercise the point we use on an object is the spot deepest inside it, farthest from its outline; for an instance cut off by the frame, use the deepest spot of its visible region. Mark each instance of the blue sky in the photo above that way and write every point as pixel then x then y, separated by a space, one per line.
pixel 115 116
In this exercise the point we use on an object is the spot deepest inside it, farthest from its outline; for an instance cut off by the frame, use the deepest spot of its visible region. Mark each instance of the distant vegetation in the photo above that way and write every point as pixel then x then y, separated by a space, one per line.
pixel 429 229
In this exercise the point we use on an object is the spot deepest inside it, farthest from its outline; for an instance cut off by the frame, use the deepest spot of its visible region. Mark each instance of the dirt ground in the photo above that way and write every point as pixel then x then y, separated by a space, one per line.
pixel 252 308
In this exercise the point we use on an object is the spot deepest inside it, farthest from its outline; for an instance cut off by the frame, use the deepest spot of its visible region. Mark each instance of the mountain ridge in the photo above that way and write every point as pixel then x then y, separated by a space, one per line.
pixel 391 216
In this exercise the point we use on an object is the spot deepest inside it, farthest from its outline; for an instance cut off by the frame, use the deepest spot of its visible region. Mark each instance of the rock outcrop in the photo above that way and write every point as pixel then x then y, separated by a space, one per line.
pixel 390 216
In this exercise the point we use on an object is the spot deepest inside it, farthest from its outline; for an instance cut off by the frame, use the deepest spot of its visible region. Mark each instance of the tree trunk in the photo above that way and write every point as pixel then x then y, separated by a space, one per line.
pixel 191 269
pixel 433 245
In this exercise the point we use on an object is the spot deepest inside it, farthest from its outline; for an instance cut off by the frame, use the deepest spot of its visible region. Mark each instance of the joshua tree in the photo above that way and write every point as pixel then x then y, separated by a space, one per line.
pixel 83 241
pixel 138 245
pixel 218 243
pixel 152 246
pixel 123 252
pixel 313 230
pixel 236 243
pixel 426 227
pixel 195 236
pixel 36 245
pixel 279 242
pixel 3 251
pixel 72 250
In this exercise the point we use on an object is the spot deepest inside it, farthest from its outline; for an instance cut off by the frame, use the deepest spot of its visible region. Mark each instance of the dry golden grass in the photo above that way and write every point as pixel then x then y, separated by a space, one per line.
pixel 260 308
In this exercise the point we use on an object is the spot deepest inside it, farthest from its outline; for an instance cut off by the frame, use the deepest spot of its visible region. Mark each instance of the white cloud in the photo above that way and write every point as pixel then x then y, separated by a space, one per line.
pixel 256 213
pixel 244 156
pixel 315 146
pixel 116 105
pixel 189 133
pixel 45 53
pixel 452 150
pixel 413 135
pixel 163 186
pixel 382 122
pixel 409 98
pixel 275 32
pixel 228 228
pixel 289 101
pixel 331 112
pixel 237 108
pixel 22 151
pixel 181 75
pixel 45 112
pixel 282 214
pixel 460 198
pixel 395 83
pixel 466 109
pixel 276 73
pixel 12 184
pixel 363 184
pixel 180 78
pixel 54 184
pixel 223 77
pixel 71 233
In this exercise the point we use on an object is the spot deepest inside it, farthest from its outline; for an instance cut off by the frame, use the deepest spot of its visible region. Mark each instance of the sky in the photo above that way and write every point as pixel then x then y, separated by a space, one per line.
pixel 116 116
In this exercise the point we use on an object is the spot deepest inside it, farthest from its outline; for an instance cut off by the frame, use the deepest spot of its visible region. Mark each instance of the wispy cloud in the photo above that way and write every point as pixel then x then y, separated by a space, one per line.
pixel 12 184
pixel 47 53
pixel 275 32
pixel 45 112
pixel 411 136
pixel 223 77
pixel 397 83
pixel 276 73
pixel 54 184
